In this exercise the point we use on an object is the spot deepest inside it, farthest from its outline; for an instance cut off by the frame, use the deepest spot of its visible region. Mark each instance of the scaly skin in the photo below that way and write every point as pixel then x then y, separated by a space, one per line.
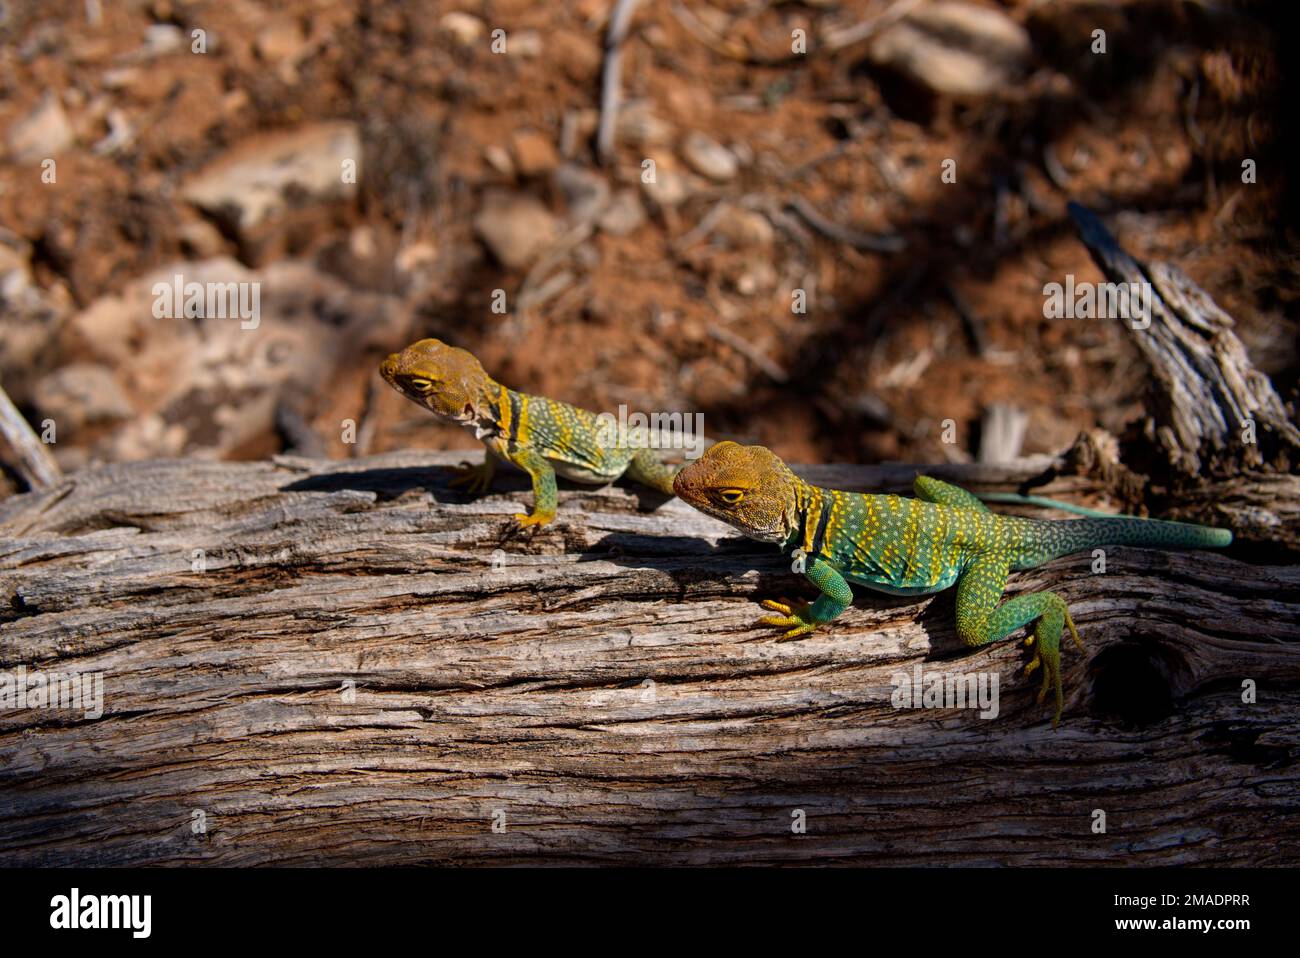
pixel 541 436
pixel 901 546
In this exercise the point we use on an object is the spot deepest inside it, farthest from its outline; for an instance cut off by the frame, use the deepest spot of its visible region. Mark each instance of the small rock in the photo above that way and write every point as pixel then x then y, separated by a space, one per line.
pixel 109 325
pixel 576 54
pixel 28 315
pixel 41 134
pixel 15 254
pixel 498 158
pixel 624 214
pixel 593 13
pixel 283 40
pixel 81 393
pixel 160 39
pixel 708 157
pixel 586 193
pixel 361 243
pixel 954 48
pixel 235 101
pixel 267 174
pixel 669 189
pixel 744 229
pixel 416 257
pixel 534 155
pixel 638 125
pixel 744 154
pixel 121 134
pixel 466 29
pixel 515 228
pixel 525 43
pixel 760 277
pixel 121 78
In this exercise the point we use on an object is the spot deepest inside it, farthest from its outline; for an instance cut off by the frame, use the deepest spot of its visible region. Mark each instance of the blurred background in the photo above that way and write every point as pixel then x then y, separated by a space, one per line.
pixel 768 238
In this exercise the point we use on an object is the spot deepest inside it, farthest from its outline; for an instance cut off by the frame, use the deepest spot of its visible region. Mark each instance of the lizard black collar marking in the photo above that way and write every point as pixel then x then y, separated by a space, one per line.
pixel 823 517
pixel 515 406
pixel 795 539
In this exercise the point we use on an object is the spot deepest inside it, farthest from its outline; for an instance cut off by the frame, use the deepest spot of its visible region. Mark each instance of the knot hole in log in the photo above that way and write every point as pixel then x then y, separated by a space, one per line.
pixel 1136 681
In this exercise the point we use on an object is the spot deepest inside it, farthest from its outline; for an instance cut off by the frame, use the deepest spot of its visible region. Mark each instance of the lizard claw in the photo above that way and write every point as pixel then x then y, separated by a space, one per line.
pixel 1074 633
pixel 794 617
pixel 1051 671
pixel 536 519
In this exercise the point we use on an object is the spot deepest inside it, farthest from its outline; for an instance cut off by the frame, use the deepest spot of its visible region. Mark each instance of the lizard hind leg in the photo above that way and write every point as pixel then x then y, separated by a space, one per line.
pixel 980 620
pixel 1052 617
pixel 943 493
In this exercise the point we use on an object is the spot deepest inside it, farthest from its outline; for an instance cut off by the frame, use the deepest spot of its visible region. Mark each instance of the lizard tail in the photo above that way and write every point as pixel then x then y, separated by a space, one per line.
pixel 1014 498
pixel 1061 538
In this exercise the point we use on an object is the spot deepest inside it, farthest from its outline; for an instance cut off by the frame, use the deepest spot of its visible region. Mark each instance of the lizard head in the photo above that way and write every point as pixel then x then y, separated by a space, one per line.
pixel 447 381
pixel 745 486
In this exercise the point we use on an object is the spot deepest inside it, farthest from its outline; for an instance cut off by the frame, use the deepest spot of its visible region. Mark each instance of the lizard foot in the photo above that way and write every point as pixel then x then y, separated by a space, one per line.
pixel 476 479
pixel 536 519
pixel 1048 655
pixel 1046 643
pixel 1035 662
pixel 794 616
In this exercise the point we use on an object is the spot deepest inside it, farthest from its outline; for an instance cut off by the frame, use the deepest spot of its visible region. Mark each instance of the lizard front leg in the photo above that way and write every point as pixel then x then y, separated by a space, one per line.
pixel 801 618
pixel 477 479
pixel 540 471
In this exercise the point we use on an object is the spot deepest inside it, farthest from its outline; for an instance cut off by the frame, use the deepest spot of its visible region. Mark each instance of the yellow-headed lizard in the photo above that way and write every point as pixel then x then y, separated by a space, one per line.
pixel 913 546
pixel 541 436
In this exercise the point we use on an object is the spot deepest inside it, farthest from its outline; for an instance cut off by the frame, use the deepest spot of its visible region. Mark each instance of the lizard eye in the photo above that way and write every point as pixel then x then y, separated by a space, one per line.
pixel 420 384
pixel 731 496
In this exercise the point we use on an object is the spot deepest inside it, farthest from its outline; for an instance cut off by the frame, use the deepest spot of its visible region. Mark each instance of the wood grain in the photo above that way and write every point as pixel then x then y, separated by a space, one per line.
pixel 603 687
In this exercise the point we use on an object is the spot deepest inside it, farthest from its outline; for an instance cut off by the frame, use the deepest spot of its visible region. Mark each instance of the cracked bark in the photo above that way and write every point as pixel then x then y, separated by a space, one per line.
pixel 604 688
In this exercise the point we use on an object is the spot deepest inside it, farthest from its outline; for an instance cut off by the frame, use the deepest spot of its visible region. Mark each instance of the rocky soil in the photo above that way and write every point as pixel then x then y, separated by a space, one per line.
pixel 825 225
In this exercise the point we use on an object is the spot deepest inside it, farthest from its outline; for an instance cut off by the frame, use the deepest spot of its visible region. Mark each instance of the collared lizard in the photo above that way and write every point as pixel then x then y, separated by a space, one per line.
pixel 541 436
pixel 902 546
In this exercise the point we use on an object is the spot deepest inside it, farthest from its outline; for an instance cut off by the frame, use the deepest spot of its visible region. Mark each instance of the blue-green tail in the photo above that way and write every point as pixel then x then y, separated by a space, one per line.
pixel 1014 498
pixel 1051 539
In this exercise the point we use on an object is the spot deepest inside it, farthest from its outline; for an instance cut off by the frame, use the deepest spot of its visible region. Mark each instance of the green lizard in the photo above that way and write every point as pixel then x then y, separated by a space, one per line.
pixel 902 546
pixel 541 436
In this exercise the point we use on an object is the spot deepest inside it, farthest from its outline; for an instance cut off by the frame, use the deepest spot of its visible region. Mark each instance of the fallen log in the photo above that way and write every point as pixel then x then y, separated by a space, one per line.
pixel 311 662
pixel 1218 444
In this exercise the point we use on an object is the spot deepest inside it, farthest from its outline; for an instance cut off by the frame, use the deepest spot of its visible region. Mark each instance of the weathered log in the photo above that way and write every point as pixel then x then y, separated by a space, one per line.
pixel 347 662
pixel 1218 444
pixel 1211 410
